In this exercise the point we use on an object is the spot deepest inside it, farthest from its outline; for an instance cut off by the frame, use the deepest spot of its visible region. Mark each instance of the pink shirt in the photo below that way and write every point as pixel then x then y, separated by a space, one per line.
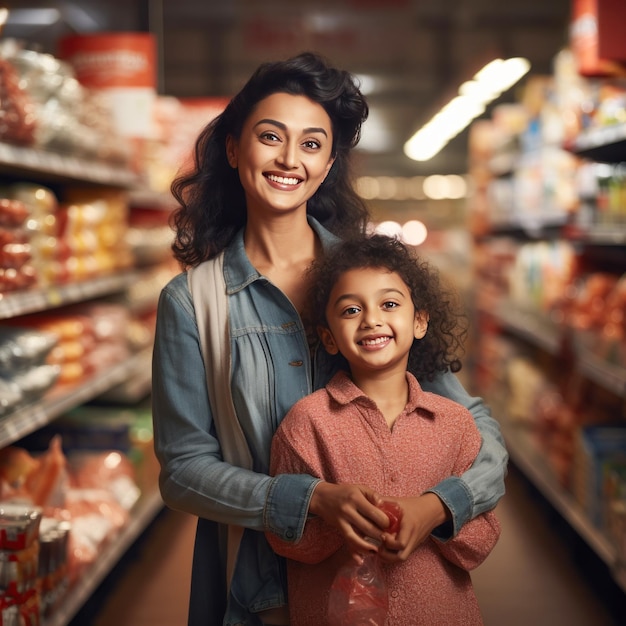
pixel 339 434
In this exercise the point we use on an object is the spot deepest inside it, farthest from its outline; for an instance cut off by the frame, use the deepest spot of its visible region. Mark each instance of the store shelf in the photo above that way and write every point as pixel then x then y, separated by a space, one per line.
pixel 41 299
pixel 540 224
pixel 607 235
pixel 610 376
pixel 137 386
pixel 527 456
pixel 33 162
pixel 529 325
pixel 143 513
pixel 142 197
pixel 28 419
pixel 605 145
pixel 130 377
pixel 540 331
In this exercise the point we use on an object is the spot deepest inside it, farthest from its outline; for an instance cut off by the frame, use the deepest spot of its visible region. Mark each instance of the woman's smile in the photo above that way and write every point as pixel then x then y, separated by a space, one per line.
pixel 284 152
pixel 283 182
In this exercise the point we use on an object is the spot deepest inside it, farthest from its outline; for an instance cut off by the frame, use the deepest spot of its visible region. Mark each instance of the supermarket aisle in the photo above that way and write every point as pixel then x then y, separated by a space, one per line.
pixel 535 575
pixel 540 573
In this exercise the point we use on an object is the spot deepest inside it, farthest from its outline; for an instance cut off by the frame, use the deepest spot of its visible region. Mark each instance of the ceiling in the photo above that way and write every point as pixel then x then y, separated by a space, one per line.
pixel 416 51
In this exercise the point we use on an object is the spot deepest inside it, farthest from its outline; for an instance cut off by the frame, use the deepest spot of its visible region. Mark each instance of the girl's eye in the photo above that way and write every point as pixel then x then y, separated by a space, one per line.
pixel 390 305
pixel 351 310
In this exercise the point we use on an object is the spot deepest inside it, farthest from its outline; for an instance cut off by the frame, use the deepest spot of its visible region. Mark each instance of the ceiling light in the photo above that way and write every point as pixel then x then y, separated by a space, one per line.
pixel 474 95
pixel 414 232
pixel 34 17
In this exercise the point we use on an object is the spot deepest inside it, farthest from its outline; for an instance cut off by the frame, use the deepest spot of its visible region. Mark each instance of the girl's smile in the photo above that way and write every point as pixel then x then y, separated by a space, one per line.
pixel 372 320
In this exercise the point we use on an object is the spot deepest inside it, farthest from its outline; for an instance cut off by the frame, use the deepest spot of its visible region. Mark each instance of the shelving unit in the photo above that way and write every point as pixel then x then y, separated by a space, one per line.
pixel 25 161
pixel 130 378
pixel 142 514
pixel 541 335
pixel 604 145
pixel 27 419
pixel 17 303
pixel 529 459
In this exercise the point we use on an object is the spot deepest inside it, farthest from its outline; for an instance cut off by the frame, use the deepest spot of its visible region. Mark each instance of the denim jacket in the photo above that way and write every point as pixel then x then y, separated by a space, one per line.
pixel 271 370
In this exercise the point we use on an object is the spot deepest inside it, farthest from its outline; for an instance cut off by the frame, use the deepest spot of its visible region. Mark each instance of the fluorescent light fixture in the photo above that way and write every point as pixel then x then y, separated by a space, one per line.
pixel 368 84
pixel 474 95
pixel 34 17
pixel 375 133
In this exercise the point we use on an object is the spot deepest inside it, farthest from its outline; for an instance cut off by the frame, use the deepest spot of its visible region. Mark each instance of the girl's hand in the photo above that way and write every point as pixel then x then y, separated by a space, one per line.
pixel 420 515
pixel 351 509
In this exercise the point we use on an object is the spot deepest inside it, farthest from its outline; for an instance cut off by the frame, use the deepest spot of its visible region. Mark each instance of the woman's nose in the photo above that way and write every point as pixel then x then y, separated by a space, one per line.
pixel 288 155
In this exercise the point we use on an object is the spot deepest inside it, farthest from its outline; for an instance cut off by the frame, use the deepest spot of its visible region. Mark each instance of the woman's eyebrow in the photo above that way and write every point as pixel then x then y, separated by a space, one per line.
pixel 312 129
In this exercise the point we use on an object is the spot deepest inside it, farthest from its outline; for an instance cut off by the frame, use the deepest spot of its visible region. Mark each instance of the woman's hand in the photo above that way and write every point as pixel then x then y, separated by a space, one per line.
pixel 421 515
pixel 351 509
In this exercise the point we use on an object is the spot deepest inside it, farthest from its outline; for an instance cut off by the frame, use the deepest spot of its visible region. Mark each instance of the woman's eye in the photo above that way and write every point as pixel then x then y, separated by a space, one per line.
pixel 311 144
pixel 269 136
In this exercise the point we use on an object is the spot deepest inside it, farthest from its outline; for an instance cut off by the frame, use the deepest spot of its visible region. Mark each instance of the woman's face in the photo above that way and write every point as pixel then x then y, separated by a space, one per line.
pixel 283 153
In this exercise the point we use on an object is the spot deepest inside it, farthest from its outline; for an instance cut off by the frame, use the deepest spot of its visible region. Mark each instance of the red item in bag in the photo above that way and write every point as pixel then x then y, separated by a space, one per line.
pixel 394 513
pixel 358 595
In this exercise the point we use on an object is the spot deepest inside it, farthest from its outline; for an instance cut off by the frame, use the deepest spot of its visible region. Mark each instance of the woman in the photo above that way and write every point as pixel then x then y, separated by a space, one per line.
pixel 269 190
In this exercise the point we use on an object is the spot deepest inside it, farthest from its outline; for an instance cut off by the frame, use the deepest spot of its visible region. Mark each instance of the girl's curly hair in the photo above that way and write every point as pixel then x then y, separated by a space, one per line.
pixel 440 349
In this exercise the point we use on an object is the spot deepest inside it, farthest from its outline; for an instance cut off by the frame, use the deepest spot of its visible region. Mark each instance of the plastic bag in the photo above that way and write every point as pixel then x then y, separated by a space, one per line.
pixel 358 595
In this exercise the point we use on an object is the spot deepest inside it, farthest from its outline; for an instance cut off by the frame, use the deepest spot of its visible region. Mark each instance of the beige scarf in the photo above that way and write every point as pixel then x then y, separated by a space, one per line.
pixel 210 301
pixel 208 292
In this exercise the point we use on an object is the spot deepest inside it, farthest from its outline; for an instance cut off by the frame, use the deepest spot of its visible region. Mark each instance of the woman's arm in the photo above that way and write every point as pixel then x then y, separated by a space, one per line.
pixel 339 513
pixel 194 478
pixel 479 488
pixel 474 542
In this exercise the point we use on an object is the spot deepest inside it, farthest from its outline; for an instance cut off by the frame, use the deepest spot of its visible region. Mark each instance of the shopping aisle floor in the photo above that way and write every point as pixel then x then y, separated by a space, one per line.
pixel 539 574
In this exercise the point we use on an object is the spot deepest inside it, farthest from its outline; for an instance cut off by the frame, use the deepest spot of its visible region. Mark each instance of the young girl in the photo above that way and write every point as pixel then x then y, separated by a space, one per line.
pixel 384 312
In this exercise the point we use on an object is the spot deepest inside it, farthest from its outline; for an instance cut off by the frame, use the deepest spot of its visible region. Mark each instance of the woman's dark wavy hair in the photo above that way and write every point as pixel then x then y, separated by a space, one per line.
pixel 212 206
pixel 441 347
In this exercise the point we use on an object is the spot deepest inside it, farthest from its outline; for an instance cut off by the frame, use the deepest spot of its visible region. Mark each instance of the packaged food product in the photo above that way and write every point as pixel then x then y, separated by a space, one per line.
pixel 10 396
pixel 35 381
pixel 14 255
pixel 53 562
pixel 23 348
pixel 19 525
pixel 18 569
pixel 17 115
pixel 14 279
pixel 13 213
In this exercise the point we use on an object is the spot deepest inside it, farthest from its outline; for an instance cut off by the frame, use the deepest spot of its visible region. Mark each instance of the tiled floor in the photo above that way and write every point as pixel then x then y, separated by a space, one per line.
pixel 539 574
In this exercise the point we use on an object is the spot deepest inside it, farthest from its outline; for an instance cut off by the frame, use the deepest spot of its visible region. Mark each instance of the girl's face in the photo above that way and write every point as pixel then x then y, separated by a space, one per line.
pixel 372 321
pixel 283 154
